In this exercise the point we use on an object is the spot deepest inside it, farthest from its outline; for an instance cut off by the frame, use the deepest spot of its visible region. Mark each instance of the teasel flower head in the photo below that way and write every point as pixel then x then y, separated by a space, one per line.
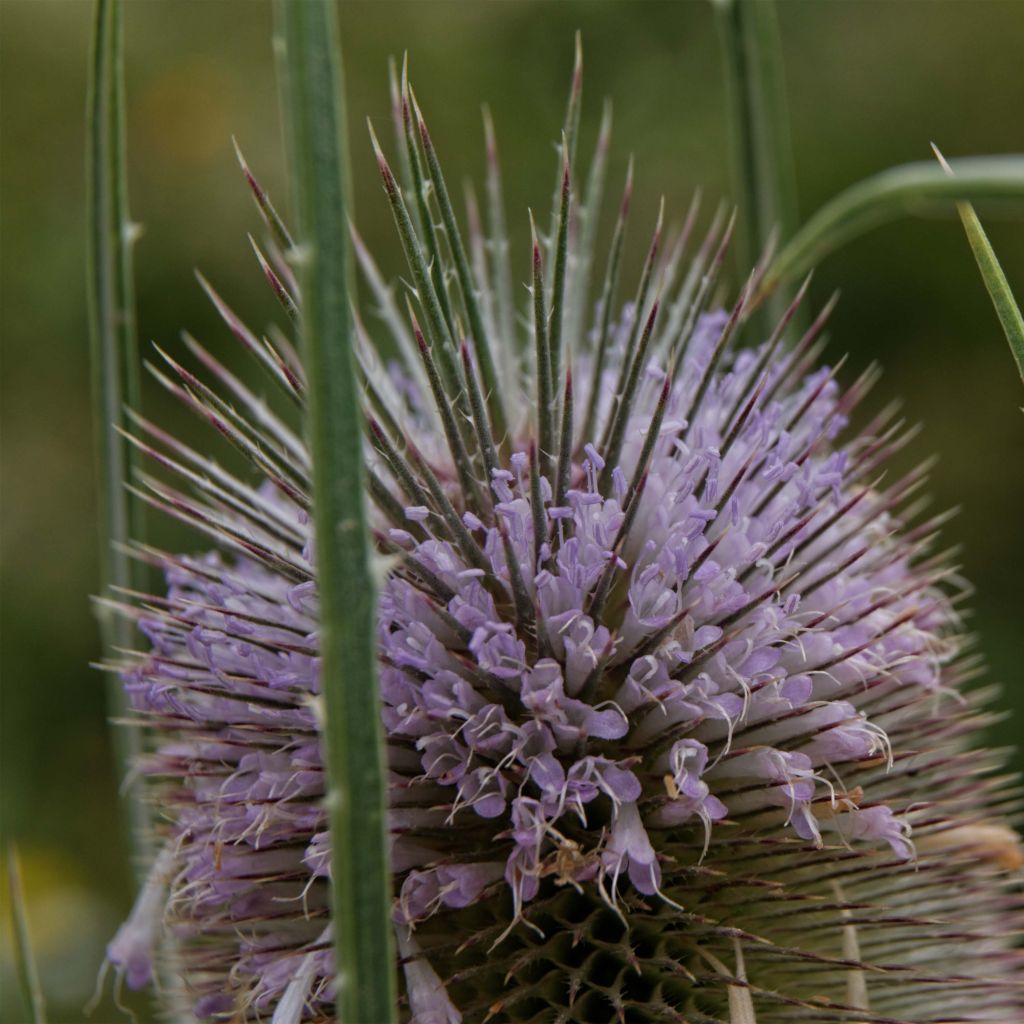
pixel 673 681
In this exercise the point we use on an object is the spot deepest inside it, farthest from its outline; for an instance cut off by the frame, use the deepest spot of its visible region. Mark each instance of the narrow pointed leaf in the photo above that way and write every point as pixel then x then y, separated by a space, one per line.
pixel 998 287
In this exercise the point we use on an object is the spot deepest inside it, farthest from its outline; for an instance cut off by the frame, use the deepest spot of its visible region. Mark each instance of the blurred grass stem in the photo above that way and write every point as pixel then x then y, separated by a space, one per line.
pixel 114 365
pixel 25 961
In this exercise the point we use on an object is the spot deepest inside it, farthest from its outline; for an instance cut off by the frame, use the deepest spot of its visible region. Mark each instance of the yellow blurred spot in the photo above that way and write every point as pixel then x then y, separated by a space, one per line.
pixel 183 115
pixel 994 842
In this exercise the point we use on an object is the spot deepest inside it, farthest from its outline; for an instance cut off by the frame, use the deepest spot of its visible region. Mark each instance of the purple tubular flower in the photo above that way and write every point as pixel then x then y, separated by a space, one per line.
pixel 677 726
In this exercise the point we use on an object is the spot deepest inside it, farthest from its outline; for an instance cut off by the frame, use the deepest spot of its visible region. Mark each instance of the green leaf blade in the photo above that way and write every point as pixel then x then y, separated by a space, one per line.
pixel 354 742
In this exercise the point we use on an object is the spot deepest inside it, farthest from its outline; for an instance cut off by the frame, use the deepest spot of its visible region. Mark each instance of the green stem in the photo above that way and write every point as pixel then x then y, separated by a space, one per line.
pixel 762 151
pixel 114 361
pixel 352 733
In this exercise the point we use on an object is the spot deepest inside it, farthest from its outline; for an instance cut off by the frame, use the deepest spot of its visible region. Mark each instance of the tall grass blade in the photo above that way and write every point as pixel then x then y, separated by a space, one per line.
pixel 114 361
pixel 354 744
pixel 763 170
pixel 992 274
pixel 25 961
pixel 917 188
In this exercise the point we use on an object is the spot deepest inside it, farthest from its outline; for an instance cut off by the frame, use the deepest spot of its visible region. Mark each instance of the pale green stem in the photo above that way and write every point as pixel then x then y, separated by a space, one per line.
pixel 353 734
pixel 115 368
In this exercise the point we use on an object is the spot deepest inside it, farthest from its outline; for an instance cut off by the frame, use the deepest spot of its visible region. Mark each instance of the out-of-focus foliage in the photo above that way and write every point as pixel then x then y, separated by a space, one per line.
pixel 869 86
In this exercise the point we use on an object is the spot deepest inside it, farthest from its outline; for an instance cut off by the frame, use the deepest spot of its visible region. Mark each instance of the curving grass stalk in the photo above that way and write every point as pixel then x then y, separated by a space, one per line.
pixel 910 188
pixel 354 745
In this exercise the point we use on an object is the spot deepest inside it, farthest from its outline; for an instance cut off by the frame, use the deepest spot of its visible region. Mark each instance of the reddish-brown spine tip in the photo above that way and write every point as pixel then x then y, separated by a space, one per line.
pixel 416 330
pixel 652 316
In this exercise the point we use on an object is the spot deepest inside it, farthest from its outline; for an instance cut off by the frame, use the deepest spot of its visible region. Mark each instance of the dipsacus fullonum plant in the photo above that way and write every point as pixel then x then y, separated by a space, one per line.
pixel 672 676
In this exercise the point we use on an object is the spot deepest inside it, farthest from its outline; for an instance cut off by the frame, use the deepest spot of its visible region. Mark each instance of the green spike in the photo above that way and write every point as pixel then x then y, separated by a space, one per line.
pixel 545 398
pixel 623 409
pixel 611 280
pixel 481 342
pixel 420 189
pixel 632 361
pixel 570 132
pixel 588 217
pixel 499 245
pixel 558 279
pixel 437 327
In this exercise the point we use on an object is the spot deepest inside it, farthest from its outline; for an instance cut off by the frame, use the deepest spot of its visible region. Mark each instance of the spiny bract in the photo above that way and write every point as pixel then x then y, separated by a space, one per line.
pixel 672 685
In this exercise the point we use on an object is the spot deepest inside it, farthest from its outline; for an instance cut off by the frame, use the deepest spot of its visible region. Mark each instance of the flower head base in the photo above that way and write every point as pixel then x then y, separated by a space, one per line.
pixel 671 682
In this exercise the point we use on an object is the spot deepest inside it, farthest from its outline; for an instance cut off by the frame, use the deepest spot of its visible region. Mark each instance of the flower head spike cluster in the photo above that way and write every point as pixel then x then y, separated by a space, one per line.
pixel 671 680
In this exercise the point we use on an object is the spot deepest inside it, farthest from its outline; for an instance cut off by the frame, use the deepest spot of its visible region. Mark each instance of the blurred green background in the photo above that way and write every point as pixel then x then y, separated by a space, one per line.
pixel 870 85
